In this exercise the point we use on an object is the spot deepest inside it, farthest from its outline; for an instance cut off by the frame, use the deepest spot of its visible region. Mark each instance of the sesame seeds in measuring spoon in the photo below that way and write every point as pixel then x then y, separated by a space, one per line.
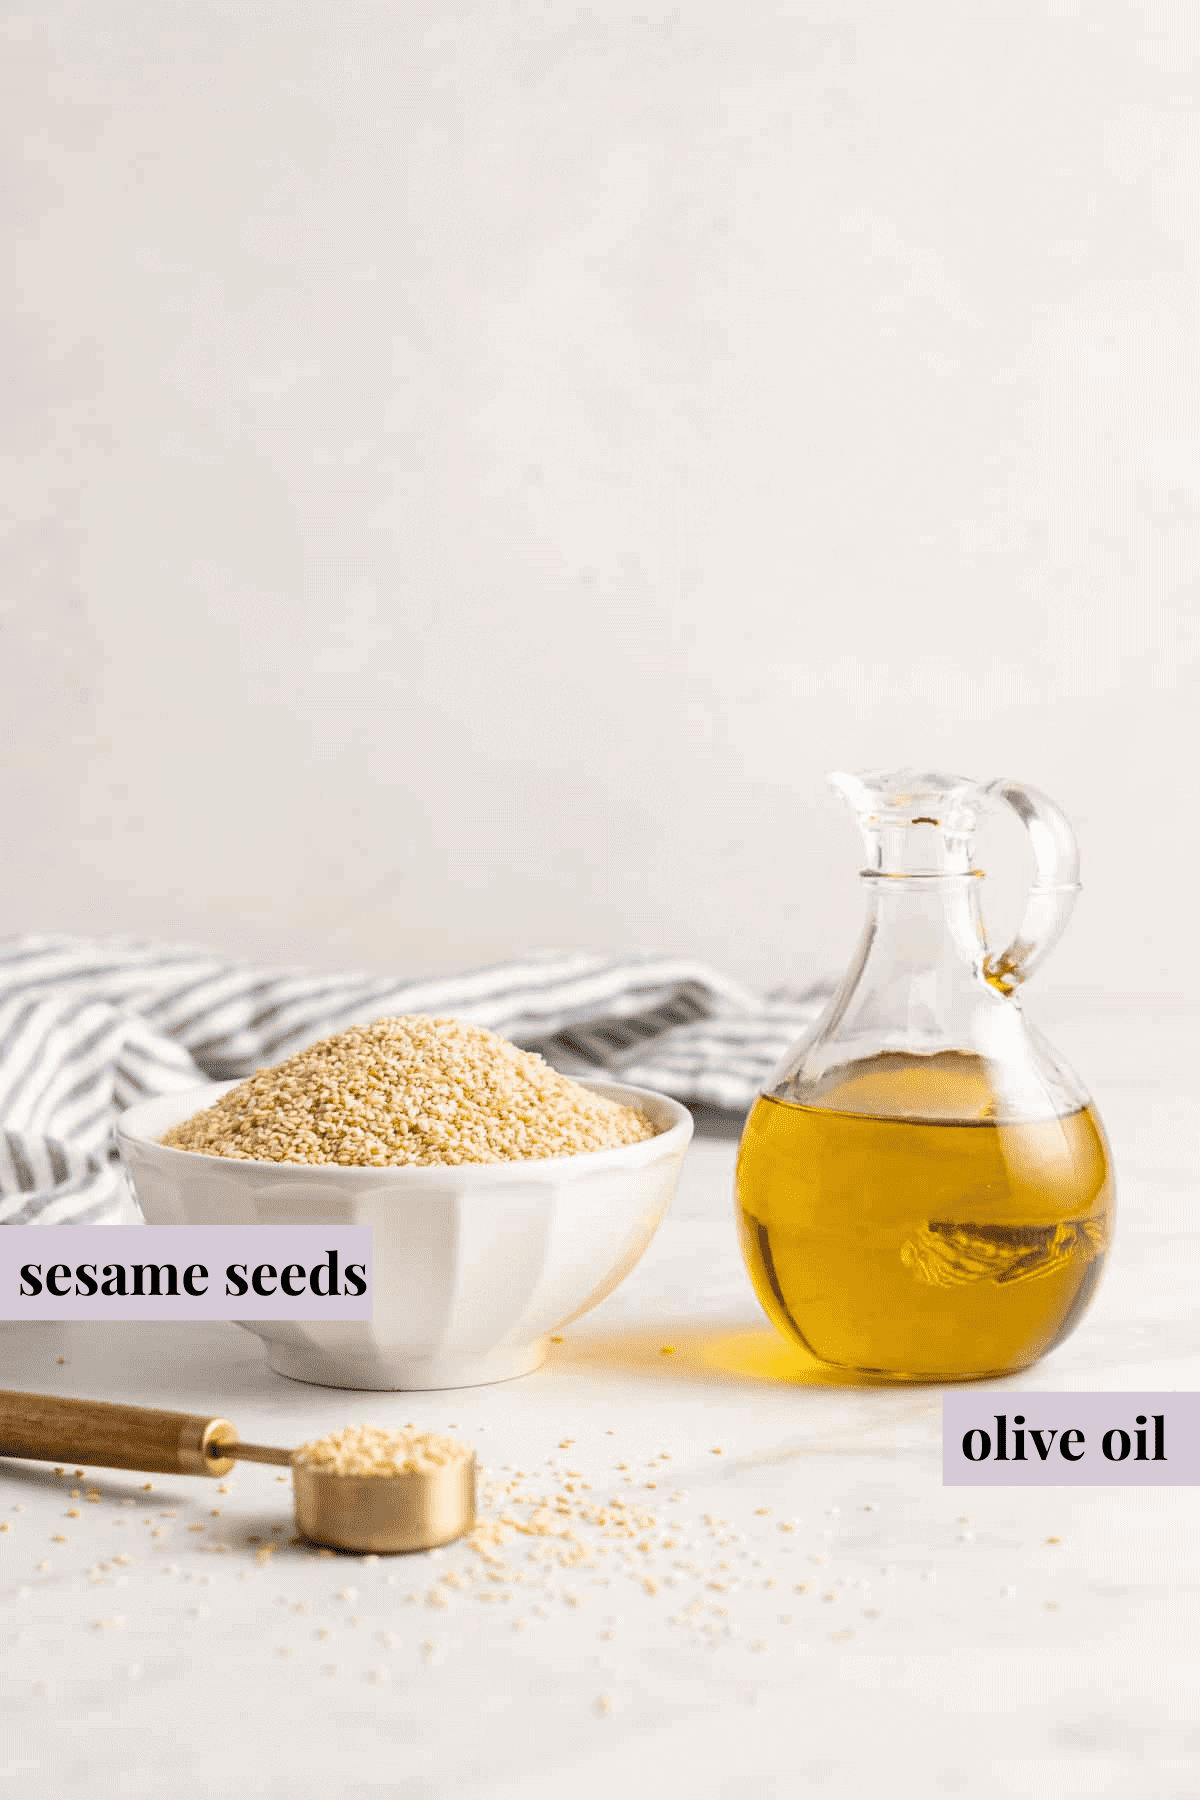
pixel 369 1490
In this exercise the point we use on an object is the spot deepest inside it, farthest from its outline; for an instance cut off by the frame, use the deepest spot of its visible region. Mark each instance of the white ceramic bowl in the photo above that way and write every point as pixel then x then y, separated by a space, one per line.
pixel 474 1264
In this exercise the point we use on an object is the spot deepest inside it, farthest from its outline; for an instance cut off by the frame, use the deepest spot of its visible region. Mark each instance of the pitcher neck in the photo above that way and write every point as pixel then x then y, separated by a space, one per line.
pixel 919 923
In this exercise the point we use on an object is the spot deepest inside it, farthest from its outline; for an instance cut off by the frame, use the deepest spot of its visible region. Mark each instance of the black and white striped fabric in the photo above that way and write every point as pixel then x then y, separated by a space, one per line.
pixel 89 1027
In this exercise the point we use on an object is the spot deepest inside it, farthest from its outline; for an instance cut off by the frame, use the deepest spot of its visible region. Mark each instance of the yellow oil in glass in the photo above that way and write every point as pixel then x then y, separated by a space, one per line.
pixel 901 1230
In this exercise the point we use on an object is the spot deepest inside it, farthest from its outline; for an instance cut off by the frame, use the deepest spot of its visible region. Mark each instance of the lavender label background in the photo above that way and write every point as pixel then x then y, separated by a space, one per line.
pixel 215 1246
pixel 1093 1414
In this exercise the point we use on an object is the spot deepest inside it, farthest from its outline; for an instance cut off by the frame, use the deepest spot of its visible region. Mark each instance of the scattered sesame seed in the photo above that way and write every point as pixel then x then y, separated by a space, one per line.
pixel 1054 1540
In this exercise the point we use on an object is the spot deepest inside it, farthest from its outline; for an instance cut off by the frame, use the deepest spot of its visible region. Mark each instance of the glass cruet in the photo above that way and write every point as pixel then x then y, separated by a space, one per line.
pixel 924 1189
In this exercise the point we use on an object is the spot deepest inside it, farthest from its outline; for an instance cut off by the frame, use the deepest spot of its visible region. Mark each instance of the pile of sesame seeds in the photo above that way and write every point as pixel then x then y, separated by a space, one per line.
pixel 369 1450
pixel 410 1090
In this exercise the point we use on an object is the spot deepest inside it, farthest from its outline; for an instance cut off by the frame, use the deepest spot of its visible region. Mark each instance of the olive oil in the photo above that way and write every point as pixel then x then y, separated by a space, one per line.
pixel 905 1229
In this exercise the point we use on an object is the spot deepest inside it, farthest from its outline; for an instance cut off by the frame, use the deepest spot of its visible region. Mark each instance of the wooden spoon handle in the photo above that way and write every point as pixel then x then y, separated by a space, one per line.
pixel 99 1435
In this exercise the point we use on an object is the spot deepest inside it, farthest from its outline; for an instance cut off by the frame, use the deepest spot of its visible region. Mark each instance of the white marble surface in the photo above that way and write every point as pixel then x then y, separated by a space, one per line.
pixel 958 1651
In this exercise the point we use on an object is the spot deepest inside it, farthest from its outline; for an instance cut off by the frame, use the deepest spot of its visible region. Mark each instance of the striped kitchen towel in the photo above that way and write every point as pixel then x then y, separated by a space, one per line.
pixel 89 1027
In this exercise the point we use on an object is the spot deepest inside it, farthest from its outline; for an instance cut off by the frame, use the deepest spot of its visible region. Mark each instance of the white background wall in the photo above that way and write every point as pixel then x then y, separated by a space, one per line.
pixel 469 469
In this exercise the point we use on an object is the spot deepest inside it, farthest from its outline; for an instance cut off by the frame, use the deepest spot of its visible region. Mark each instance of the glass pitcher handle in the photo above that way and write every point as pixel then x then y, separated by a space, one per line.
pixel 1055 884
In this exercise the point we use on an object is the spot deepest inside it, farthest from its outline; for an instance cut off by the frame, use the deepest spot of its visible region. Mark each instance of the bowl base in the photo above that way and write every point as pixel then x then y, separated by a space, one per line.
pixel 382 1374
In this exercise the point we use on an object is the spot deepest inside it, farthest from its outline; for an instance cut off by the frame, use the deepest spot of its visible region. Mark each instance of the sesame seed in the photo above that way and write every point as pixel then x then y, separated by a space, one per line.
pixel 409 1090
pixel 369 1450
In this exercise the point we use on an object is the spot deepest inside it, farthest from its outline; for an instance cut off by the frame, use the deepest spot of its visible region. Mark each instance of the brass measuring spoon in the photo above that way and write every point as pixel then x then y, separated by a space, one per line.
pixel 365 1513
